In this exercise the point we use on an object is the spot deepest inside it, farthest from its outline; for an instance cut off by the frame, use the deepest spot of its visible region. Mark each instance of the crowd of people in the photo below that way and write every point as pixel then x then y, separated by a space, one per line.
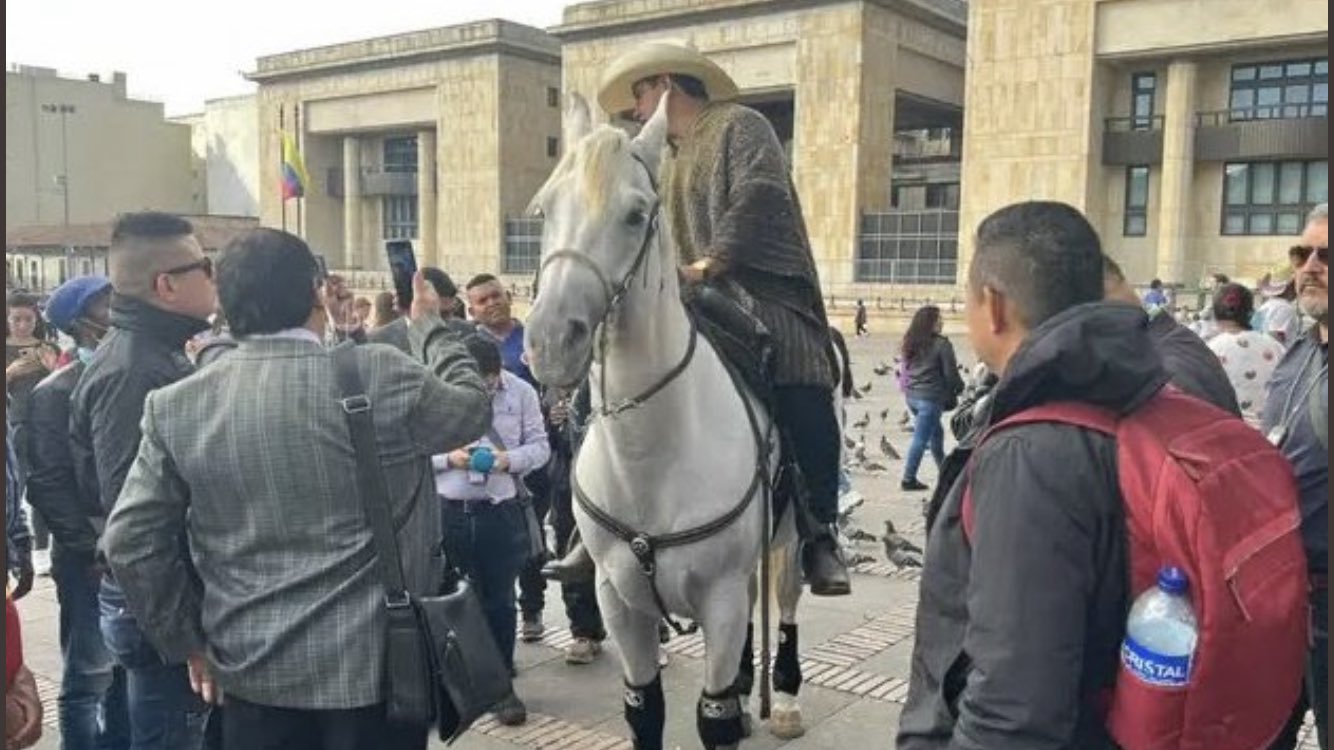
pixel 217 576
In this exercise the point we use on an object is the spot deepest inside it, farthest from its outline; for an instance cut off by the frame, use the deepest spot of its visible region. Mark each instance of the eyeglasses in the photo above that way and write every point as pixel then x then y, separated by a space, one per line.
pixel 1299 254
pixel 203 264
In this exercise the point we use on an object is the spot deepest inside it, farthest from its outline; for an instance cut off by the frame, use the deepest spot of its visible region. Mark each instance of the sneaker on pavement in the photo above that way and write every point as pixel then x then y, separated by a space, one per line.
pixel 533 629
pixel 912 485
pixel 583 651
pixel 511 712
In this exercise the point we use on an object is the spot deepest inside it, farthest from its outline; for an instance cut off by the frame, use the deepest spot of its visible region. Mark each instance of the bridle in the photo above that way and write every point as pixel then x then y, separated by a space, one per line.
pixel 614 295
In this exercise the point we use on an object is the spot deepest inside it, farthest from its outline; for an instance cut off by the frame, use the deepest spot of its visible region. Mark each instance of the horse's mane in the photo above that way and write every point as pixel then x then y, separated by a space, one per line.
pixel 590 162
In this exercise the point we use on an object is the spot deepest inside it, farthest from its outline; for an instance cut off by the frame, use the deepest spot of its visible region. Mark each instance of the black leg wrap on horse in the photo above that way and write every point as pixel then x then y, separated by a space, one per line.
pixel 719 720
pixel 787 665
pixel 646 713
pixel 745 676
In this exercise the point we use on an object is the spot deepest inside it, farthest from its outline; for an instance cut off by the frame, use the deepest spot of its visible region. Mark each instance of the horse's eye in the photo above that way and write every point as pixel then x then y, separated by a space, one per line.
pixel 636 218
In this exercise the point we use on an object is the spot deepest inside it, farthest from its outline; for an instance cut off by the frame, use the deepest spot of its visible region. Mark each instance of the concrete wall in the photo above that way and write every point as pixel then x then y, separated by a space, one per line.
pixel 1156 27
pixel 123 155
pixel 232 156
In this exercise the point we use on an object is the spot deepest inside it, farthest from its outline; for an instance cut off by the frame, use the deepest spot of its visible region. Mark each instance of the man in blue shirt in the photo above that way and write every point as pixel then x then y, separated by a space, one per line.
pixel 491 309
pixel 1296 419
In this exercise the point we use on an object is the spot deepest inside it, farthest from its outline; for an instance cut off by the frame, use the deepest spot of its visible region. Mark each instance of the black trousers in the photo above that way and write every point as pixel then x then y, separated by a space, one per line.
pixel 806 416
pixel 581 602
pixel 532 586
pixel 250 726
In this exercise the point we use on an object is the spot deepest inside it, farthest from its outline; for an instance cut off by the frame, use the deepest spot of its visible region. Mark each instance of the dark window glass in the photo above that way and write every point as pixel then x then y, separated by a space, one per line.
pixel 1271 198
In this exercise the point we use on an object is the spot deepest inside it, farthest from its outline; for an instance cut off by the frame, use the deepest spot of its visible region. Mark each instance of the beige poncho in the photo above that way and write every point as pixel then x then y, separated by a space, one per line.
pixel 727 194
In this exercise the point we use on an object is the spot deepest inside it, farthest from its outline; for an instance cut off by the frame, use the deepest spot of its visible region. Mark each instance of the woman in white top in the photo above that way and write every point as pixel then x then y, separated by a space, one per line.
pixel 1248 357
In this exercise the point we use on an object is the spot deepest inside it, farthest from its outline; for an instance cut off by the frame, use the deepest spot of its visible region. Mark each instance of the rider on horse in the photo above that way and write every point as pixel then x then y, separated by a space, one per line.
pixel 733 212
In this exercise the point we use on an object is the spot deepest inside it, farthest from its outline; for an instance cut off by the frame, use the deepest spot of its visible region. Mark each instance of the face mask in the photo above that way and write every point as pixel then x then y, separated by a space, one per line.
pixel 85 354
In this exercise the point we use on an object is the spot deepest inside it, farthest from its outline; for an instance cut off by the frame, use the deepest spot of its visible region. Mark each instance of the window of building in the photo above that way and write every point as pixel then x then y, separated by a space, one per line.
pixel 400 217
pixel 943 195
pixel 523 246
pixel 1263 198
pixel 553 96
pixel 1143 86
pixel 400 154
pixel 1280 90
pixel 908 247
pixel 553 147
pixel 1136 222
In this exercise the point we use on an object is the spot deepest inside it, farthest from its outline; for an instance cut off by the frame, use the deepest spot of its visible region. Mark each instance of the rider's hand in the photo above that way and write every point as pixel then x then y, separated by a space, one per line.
pixel 425 300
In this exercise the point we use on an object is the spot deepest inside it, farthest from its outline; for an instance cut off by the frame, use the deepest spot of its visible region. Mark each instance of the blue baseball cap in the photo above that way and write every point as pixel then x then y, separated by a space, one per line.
pixel 68 302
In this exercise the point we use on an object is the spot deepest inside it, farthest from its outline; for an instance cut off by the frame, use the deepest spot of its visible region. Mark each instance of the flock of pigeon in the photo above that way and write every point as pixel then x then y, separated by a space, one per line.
pixel 899 550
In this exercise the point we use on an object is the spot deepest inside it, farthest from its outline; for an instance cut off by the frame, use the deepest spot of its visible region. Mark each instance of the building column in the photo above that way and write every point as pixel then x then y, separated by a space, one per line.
pixel 352 235
pixel 426 204
pixel 1174 205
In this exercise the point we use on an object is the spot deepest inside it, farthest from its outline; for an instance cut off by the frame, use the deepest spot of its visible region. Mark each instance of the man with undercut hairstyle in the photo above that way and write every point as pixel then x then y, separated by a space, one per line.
pixel 163 295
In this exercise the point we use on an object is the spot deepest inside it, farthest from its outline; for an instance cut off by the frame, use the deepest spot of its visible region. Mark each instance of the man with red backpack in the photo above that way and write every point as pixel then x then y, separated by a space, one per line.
pixel 1088 475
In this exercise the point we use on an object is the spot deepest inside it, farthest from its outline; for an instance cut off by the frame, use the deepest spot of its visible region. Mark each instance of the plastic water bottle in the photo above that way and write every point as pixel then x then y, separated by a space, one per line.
pixel 1161 633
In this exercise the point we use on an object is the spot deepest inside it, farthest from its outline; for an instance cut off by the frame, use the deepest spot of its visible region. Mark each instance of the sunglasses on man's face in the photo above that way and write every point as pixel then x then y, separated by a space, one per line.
pixel 203 264
pixel 1299 254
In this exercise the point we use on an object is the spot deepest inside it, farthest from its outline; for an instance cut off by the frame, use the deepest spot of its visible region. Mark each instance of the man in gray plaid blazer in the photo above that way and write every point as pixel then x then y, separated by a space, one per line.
pixel 276 602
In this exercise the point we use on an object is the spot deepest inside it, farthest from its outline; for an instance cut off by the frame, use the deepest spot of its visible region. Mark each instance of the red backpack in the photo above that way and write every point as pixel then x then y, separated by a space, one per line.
pixel 1208 494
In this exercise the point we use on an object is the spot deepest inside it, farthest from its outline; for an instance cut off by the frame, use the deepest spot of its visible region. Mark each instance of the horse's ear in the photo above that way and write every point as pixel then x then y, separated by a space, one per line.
pixel 578 120
pixel 652 137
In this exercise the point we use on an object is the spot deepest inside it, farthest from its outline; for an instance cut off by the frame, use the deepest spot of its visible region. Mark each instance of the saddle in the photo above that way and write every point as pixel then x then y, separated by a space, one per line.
pixel 726 319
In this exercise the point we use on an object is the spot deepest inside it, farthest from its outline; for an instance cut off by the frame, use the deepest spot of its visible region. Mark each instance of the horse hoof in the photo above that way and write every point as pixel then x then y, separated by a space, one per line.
pixel 785 723
pixel 747 724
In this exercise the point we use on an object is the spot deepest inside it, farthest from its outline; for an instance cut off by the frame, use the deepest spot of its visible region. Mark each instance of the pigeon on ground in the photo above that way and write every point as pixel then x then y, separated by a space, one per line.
pixel 860 454
pixel 857 535
pixel 863 422
pixel 884 414
pixel 865 389
pixel 887 448
pixel 848 442
pixel 857 395
pixel 881 369
pixel 873 466
pixel 892 536
pixel 860 558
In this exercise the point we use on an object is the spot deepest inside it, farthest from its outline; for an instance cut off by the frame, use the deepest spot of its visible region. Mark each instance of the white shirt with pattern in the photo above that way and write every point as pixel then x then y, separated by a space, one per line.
pixel 1249 359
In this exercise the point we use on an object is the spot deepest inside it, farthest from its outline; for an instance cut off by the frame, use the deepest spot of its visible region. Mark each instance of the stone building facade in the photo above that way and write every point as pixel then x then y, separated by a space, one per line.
pixel 1194 134
pixel 435 136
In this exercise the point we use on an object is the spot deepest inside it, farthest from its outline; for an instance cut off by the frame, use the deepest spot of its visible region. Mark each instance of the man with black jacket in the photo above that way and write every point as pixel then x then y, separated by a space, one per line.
pixel 91 685
pixel 163 295
pixel 1020 623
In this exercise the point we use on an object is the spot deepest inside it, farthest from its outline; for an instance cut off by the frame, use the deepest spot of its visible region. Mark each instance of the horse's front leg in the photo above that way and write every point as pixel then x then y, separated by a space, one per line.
pixel 636 637
pixel 786 721
pixel 725 616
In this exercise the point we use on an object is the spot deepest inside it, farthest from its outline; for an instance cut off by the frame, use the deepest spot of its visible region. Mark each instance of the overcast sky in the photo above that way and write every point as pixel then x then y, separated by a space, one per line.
pixel 182 52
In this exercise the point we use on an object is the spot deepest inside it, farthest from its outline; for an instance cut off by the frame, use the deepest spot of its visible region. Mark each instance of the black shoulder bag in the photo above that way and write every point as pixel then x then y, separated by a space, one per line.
pixel 442 664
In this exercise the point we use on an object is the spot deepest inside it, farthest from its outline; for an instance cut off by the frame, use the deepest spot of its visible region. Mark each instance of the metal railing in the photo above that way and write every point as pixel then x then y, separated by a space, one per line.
pixel 1133 124
pixel 1222 117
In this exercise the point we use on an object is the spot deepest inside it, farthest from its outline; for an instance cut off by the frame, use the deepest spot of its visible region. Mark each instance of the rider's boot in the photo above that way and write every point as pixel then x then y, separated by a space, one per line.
pixel 576 566
pixel 822 562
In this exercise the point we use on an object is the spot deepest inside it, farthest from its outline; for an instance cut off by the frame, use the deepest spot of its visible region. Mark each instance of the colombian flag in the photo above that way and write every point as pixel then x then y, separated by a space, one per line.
pixel 295 178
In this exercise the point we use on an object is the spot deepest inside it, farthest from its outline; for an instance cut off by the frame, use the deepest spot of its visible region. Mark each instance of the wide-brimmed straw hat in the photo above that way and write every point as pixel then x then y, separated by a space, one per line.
pixel 655 59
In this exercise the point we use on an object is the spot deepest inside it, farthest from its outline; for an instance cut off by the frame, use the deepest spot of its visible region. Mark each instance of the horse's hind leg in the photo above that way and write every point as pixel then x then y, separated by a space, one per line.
pixel 636 637
pixel 786 722
pixel 725 620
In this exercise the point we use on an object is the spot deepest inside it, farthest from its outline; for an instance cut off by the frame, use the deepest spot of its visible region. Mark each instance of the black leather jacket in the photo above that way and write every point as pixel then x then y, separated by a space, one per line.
pixel 74 517
pixel 144 351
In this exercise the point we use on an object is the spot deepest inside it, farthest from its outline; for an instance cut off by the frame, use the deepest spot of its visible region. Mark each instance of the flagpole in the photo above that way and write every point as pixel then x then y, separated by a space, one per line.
pixel 282 197
pixel 300 199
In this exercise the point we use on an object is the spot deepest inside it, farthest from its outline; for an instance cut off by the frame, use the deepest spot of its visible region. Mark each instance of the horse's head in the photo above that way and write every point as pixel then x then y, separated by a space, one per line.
pixel 600 217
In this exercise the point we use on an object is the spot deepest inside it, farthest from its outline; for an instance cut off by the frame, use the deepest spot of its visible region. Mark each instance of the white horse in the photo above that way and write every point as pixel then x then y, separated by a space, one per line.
pixel 671 479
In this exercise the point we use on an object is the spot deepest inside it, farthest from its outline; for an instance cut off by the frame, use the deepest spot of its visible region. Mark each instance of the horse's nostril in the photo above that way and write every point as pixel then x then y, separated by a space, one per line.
pixel 578 330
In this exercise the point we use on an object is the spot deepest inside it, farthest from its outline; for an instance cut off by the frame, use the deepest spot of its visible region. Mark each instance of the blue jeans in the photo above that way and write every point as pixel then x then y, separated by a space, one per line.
pixel 92 709
pixel 489 546
pixel 928 430
pixel 165 714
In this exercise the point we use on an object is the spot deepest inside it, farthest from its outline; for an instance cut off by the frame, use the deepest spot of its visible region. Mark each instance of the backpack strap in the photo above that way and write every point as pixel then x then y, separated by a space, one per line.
pixel 1074 413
